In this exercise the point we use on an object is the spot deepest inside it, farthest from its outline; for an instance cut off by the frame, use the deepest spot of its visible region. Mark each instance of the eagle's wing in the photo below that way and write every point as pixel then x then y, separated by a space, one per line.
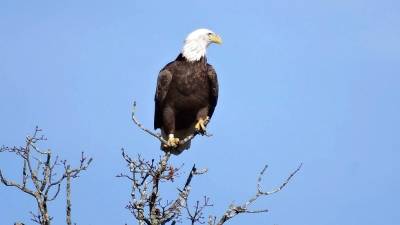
pixel 163 81
pixel 212 77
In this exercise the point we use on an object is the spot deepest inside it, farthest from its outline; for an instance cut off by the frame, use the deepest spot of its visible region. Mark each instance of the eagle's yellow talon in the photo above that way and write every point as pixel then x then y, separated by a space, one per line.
pixel 172 142
pixel 200 127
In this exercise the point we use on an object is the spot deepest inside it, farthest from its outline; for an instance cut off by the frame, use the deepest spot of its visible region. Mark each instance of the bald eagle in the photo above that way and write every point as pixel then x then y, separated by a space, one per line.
pixel 187 92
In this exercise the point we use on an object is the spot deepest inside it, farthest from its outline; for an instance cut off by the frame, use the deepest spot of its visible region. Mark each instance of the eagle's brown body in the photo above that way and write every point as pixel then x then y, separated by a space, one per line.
pixel 186 92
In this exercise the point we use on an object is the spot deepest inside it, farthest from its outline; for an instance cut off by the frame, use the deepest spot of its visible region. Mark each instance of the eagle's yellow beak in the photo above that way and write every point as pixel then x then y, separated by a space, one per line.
pixel 215 38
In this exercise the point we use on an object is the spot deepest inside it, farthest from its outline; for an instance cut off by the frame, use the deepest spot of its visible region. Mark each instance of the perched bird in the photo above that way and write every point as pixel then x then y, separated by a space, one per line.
pixel 187 92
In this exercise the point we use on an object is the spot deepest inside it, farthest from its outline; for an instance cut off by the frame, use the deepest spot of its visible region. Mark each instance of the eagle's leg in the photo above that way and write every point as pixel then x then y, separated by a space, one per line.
pixel 169 127
pixel 202 117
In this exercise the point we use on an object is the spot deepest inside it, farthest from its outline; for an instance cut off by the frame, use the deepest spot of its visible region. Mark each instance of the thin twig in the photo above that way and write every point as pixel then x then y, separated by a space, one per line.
pixel 136 121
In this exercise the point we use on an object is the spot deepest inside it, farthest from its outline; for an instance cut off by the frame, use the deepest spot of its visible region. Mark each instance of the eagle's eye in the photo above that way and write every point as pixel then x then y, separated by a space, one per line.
pixel 209 34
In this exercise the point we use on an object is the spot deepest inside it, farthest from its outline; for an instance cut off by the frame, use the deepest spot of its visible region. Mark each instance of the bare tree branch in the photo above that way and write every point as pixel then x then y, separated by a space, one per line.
pixel 197 215
pixel 68 190
pixel 234 210
pixel 13 184
pixel 136 121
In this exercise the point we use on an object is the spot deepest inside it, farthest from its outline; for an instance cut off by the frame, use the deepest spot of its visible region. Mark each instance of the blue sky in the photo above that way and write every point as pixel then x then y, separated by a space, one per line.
pixel 300 81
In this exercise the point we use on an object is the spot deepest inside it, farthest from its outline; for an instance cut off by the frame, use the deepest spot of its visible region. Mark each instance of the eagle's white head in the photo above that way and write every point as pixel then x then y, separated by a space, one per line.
pixel 196 44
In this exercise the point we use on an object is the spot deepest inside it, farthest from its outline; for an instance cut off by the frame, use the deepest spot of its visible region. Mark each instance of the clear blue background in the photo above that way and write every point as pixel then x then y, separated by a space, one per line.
pixel 306 81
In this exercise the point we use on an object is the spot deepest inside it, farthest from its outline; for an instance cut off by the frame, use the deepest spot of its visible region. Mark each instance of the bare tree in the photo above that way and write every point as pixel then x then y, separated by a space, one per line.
pixel 39 176
pixel 41 181
pixel 149 208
